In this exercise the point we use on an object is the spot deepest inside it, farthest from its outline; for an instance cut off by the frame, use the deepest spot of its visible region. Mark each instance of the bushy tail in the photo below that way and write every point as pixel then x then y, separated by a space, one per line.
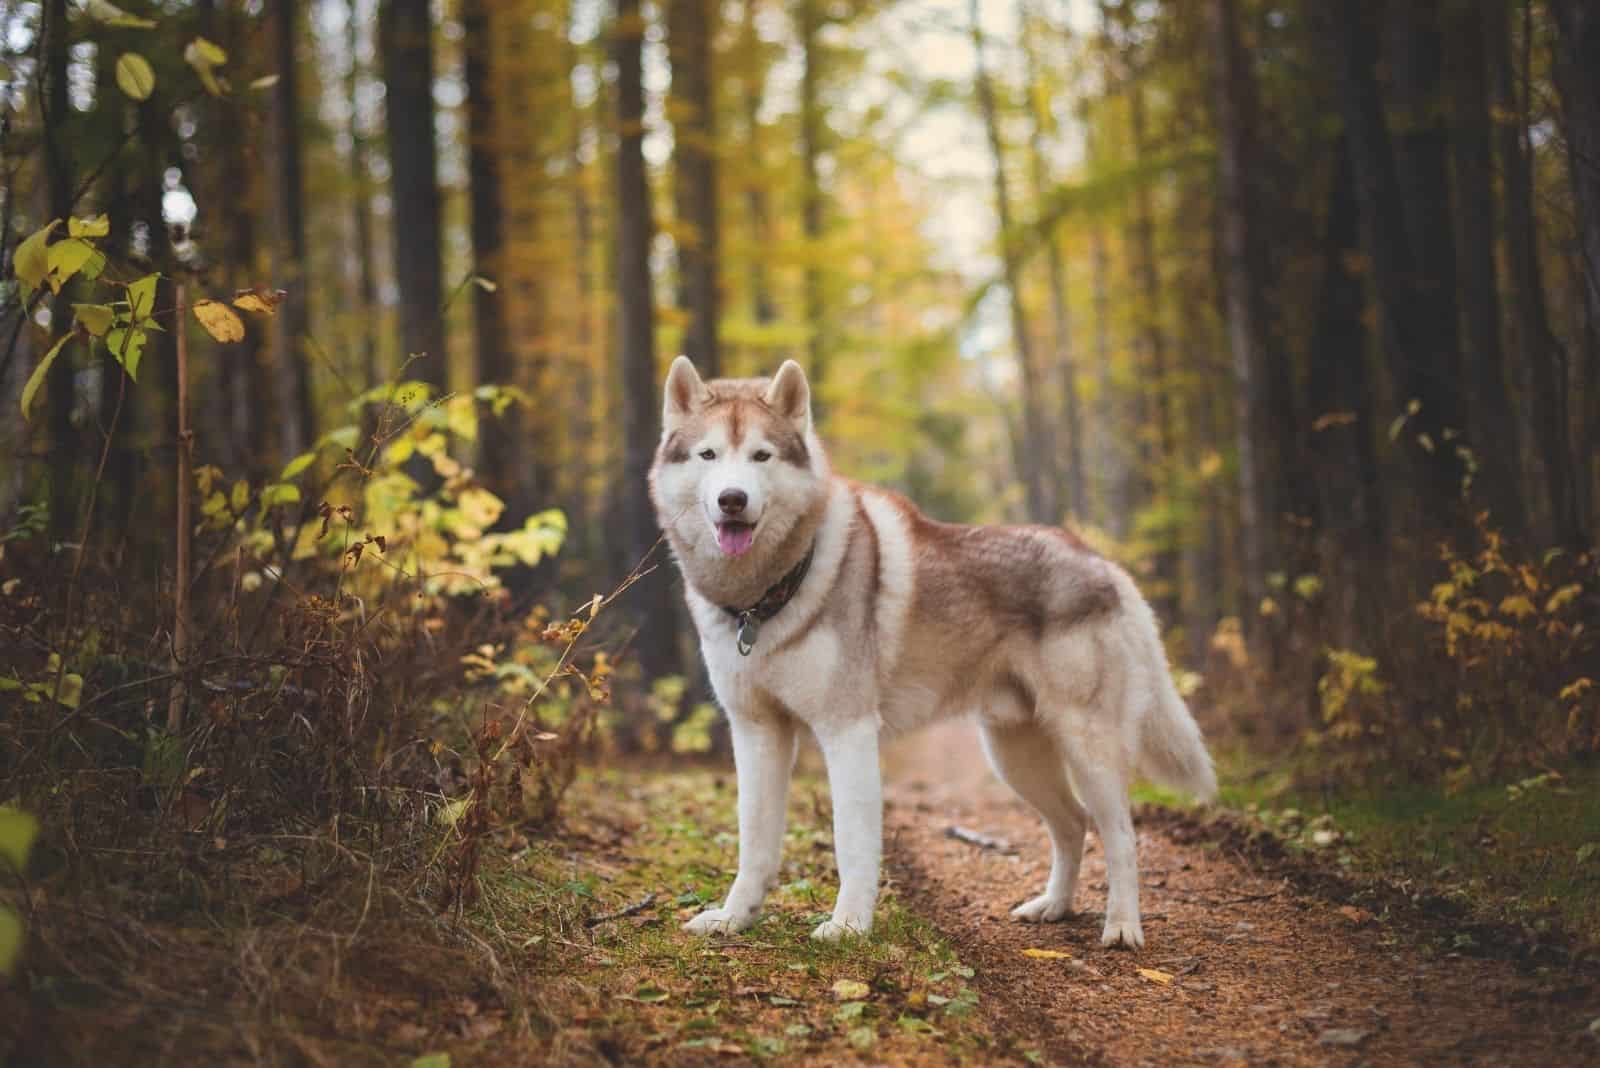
pixel 1171 750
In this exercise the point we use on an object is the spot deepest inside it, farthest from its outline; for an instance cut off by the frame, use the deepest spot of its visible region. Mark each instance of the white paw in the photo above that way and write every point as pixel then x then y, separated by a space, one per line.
pixel 1122 933
pixel 837 928
pixel 720 922
pixel 1043 909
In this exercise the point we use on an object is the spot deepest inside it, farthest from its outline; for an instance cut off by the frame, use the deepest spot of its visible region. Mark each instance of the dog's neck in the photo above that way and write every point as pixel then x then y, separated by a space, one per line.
pixel 740 581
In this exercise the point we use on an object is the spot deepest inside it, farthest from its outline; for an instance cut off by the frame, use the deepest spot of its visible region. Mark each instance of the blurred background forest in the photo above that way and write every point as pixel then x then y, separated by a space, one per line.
pixel 331 335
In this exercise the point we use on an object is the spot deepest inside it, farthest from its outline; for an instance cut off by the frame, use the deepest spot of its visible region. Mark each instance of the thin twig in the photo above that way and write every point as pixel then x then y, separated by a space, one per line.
pixel 981 840
pixel 632 910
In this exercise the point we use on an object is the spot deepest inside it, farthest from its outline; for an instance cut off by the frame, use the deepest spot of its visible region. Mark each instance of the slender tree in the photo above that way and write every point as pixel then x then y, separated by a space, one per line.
pixel 656 645
pixel 56 124
pixel 690 27
pixel 810 23
pixel 1037 451
pixel 1495 435
pixel 296 419
pixel 405 33
pixel 366 283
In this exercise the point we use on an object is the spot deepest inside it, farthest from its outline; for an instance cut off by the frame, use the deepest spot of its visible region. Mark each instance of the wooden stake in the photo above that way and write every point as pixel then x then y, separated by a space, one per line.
pixel 180 622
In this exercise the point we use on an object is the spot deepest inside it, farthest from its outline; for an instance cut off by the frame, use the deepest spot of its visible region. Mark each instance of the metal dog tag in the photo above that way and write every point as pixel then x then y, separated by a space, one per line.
pixel 749 630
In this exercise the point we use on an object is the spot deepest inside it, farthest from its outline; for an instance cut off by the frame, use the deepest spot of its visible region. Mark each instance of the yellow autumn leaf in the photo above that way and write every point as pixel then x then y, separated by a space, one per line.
pixel 219 320
pixel 135 77
pixel 1155 975
pixel 1562 597
pixel 1517 606
pixel 262 301
pixel 95 226
pixel 1046 954
pixel 1576 689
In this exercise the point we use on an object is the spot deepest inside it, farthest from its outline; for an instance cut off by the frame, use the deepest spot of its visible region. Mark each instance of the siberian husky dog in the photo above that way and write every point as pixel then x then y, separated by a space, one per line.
pixel 836 606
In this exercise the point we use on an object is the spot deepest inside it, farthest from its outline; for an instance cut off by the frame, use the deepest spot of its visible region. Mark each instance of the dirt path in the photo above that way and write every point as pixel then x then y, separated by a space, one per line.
pixel 1262 973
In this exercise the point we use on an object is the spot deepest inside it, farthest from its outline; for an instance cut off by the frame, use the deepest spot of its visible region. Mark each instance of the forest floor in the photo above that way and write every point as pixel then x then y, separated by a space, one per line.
pixel 1257 952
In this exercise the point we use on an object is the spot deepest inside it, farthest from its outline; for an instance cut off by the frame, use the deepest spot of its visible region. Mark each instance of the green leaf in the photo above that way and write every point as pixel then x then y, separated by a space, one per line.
pixel 1587 850
pixel 279 493
pixel 112 15
pixel 345 437
pixel 36 379
pixel 297 465
pixel 68 257
pixel 71 691
pixel 126 344
pixel 142 296
pixel 17 832
pixel 239 497
pixel 10 939
pixel 432 1060
pixel 135 77
pixel 862 1038
pixel 96 318
pixel 650 994
pixel 208 51
pixel 31 260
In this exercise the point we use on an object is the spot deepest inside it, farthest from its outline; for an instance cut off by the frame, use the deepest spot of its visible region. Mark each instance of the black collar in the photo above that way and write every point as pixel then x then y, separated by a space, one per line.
pixel 770 603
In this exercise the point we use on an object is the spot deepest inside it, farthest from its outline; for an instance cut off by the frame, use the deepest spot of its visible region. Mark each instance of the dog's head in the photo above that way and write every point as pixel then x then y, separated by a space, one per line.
pixel 739 466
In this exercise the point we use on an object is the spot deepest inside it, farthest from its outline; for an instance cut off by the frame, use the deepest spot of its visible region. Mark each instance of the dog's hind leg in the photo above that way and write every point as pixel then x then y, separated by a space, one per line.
pixel 1027 759
pixel 1098 776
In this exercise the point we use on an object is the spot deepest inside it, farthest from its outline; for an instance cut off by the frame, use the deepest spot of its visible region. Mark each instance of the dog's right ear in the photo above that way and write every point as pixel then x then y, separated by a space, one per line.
pixel 685 392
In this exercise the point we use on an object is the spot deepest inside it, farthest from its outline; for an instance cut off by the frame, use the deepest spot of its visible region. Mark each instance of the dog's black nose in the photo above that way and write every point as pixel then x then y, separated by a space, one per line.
pixel 732 501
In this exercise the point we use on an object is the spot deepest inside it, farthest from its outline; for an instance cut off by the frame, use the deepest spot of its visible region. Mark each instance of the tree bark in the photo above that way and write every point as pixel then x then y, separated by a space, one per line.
pixel 757 206
pixel 361 207
pixel 296 417
pixel 1344 465
pixel 1578 79
pixel 691 24
pixel 1419 348
pixel 1038 452
pixel 1244 291
pixel 1537 344
pixel 504 469
pixel 1071 495
pixel 406 43
pixel 1494 434
pixel 59 382
pixel 656 645
pixel 810 22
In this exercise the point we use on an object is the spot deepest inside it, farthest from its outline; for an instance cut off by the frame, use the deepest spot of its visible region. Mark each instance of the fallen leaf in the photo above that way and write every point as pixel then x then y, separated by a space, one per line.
pixel 1355 915
pixel 1046 954
pixel 850 990
pixel 1155 975
pixel 1342 1036
pixel 652 995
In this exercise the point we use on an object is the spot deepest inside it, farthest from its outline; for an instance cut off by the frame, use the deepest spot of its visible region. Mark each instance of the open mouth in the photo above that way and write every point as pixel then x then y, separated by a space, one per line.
pixel 734 538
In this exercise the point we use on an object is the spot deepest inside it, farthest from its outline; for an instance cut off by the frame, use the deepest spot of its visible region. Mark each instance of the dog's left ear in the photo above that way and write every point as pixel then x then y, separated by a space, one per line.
pixel 790 395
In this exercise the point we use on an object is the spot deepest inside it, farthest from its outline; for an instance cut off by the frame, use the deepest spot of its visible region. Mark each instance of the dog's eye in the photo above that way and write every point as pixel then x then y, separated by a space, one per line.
pixel 708 454
pixel 761 456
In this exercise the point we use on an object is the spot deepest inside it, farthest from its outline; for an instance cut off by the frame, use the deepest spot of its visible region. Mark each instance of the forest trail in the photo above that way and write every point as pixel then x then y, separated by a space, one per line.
pixel 1263 970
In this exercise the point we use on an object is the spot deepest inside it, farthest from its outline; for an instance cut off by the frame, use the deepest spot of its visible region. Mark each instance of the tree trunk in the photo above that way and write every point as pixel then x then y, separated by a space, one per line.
pixel 1419 348
pixel 296 418
pixel 64 446
pixel 406 43
pixel 1112 465
pixel 1577 52
pixel 757 207
pixel 1163 471
pixel 1038 452
pixel 1537 344
pixel 691 24
pixel 361 208
pixel 1071 495
pixel 1494 434
pixel 656 645
pixel 1344 467
pixel 504 467
pixel 1244 287
pixel 811 202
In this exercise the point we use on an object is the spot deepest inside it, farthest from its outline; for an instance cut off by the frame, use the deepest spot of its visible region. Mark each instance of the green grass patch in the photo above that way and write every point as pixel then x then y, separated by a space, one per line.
pixel 638 987
pixel 1525 850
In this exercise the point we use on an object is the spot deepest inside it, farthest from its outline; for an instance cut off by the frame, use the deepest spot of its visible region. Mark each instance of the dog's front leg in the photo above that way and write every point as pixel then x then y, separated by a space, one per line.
pixel 763 753
pixel 851 753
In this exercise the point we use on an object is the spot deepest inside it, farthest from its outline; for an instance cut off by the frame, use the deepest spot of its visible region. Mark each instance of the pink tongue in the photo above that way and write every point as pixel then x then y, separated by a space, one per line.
pixel 735 538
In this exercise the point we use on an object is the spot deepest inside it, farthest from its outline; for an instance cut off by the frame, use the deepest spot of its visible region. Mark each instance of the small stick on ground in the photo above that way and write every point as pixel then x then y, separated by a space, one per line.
pixel 632 910
pixel 981 840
